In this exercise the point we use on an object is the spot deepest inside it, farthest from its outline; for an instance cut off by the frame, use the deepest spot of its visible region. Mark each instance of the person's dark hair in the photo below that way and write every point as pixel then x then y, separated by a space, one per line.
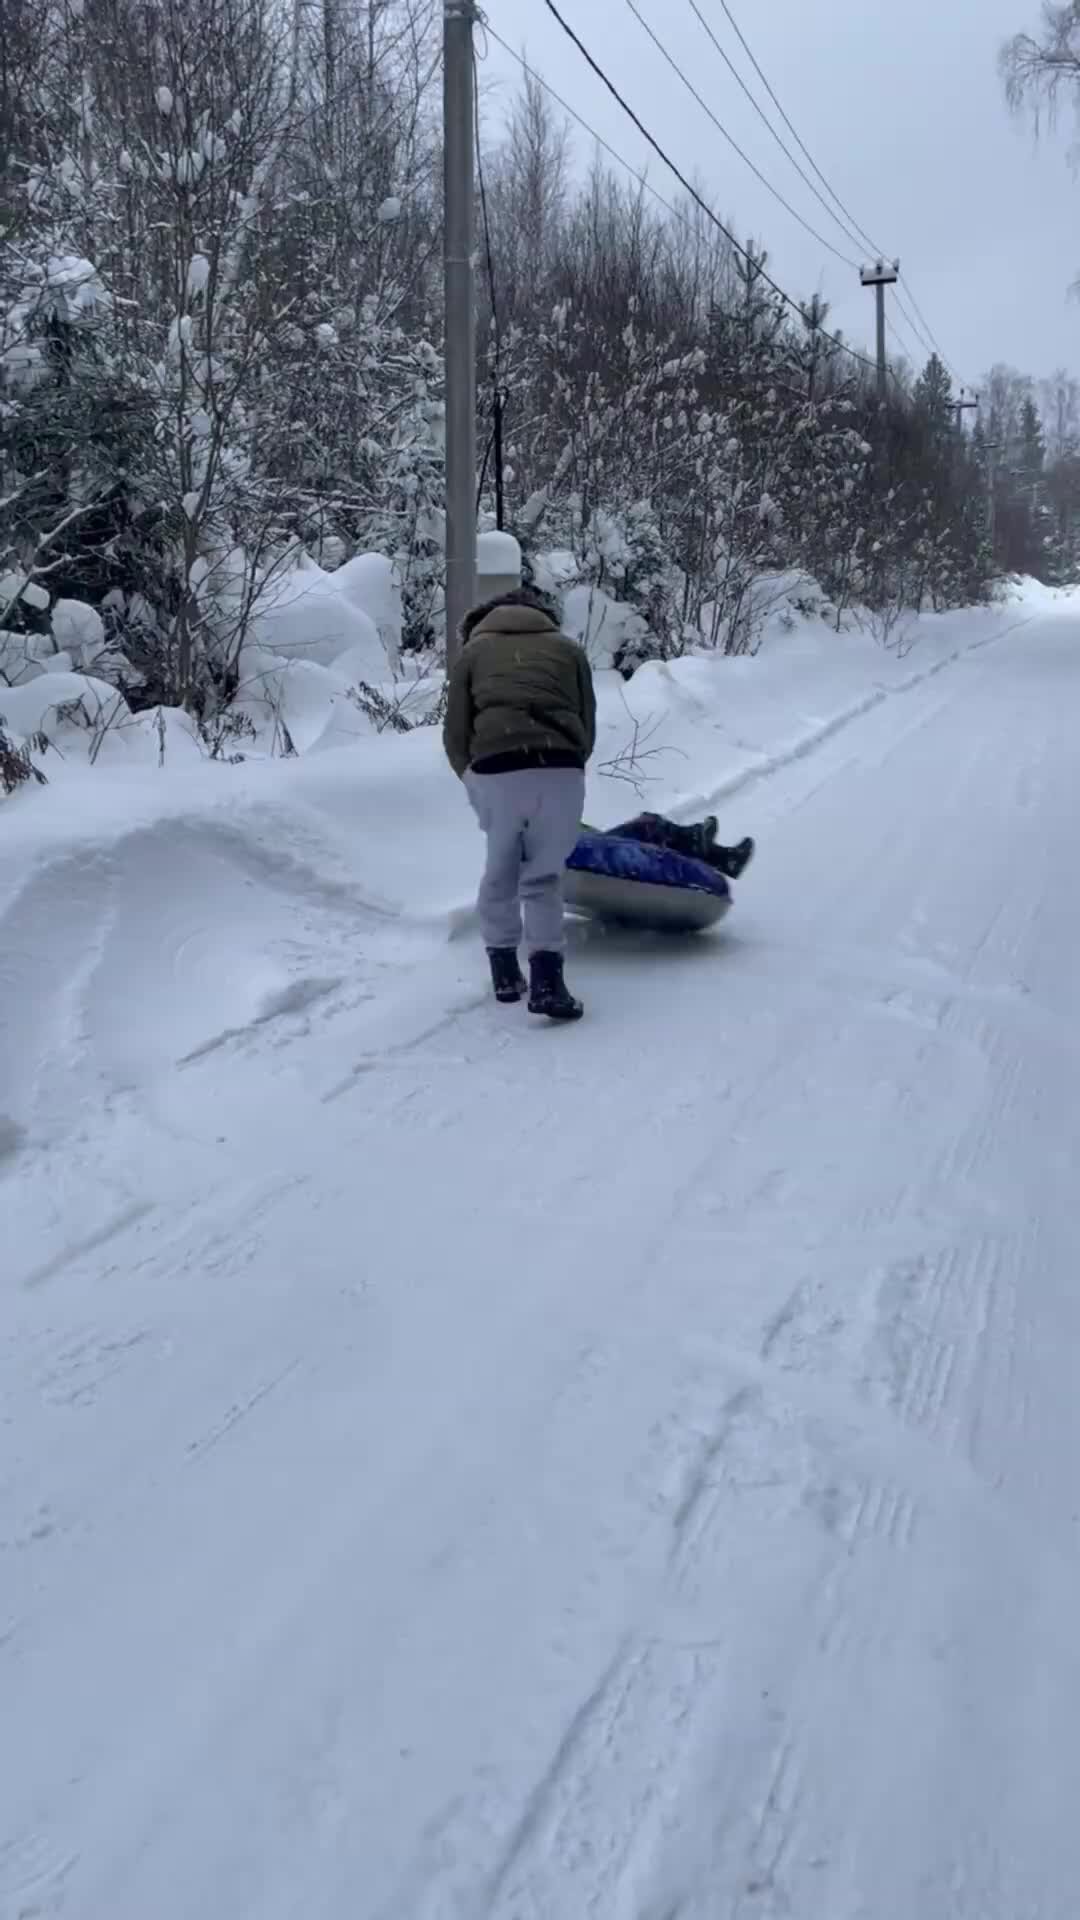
pixel 519 597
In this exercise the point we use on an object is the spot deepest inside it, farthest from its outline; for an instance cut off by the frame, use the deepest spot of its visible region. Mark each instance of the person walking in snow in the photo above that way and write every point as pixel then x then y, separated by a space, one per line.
pixel 520 728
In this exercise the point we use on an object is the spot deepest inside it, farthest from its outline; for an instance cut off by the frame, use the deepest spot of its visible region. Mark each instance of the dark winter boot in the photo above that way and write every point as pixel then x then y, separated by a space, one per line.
pixel 548 991
pixel 506 975
pixel 700 839
pixel 732 861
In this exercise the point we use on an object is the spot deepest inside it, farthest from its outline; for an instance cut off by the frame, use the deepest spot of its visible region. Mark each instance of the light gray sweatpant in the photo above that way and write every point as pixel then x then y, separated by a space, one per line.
pixel 531 820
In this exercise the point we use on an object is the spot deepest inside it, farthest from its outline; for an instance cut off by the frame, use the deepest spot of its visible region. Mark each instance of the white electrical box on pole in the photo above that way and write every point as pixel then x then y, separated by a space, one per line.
pixel 879 277
pixel 459 107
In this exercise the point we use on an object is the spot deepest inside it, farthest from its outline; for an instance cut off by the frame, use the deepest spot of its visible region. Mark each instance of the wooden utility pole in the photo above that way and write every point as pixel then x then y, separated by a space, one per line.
pixel 879 277
pixel 459 18
pixel 992 447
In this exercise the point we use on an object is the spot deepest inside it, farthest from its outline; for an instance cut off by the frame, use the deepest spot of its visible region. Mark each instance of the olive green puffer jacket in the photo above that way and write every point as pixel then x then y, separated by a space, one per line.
pixel 519 687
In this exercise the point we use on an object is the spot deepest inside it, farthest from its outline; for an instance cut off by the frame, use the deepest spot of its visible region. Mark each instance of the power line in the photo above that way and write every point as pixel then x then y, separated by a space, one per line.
pixel 929 332
pixel 742 252
pixel 733 143
pixel 634 172
pixel 643 180
pixel 903 343
pixel 925 343
pixel 496 322
pixel 793 130
pixel 849 233
pixel 495 439
pixel 854 235
pixel 923 332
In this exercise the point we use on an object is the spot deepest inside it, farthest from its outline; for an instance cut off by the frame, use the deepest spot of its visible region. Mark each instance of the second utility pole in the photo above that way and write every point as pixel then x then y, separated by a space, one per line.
pixel 459 106
pixel 879 277
pixel 992 447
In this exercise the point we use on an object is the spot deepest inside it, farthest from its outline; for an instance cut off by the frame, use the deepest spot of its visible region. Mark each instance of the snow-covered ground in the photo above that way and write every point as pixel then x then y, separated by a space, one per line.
pixel 450 1468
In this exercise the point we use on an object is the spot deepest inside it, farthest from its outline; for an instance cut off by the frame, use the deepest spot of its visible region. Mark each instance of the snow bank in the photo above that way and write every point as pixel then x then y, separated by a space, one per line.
pixel 311 615
pixel 607 629
pixel 55 701
pixel 17 589
pixel 317 638
pixel 77 629
pixel 370 583
pixel 23 656
pixel 297 705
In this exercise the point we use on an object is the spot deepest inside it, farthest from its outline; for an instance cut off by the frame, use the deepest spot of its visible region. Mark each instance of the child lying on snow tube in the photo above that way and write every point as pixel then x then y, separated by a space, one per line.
pixel 696 842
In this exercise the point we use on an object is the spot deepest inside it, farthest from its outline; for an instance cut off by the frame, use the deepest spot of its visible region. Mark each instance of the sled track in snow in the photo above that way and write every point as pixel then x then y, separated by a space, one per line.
pixel 119 963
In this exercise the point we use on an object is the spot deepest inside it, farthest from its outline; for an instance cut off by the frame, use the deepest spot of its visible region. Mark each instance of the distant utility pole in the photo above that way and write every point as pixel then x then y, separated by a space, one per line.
pixel 992 447
pixel 879 277
pixel 960 407
pixel 459 106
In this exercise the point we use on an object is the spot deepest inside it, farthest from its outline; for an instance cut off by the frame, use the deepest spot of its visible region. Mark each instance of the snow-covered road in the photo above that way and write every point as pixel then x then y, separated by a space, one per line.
pixel 629 1472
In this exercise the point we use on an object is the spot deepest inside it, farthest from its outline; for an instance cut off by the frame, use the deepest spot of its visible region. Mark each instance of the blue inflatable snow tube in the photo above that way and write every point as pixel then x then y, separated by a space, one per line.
pixel 627 881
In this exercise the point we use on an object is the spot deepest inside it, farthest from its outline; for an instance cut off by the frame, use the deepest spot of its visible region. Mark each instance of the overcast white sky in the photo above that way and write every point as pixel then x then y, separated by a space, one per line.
pixel 901 107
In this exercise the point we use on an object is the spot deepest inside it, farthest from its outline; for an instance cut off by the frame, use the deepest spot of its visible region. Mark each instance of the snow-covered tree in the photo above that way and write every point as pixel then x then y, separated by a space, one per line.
pixel 221 345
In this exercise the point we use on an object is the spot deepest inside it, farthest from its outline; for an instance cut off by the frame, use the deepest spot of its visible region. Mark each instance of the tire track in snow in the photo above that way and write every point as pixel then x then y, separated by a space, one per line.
pixel 590 1727
pixel 1000 1412
pixel 55 931
pixel 239 1411
pixel 33 1877
pixel 594 1834
pixel 776 1829
pixel 585 1837
pixel 920 1373
pixel 873 1511
pixel 78 1249
pixel 912 1340
pixel 74 1376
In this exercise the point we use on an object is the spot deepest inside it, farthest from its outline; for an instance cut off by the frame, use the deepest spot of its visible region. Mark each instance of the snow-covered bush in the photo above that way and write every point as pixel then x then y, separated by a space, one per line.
pixel 16 766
